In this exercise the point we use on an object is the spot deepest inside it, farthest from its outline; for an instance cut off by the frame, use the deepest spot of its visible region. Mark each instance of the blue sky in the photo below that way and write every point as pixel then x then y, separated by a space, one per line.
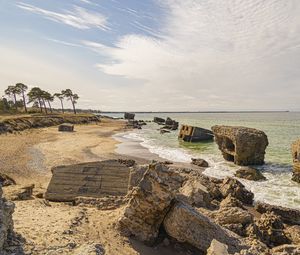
pixel 156 55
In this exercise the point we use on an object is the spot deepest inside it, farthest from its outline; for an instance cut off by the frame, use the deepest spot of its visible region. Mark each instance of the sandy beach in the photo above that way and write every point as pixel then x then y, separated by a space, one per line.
pixel 60 228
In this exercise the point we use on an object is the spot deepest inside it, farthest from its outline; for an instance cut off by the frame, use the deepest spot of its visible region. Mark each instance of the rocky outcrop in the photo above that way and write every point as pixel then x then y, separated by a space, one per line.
pixel 217 248
pixel 200 162
pixel 6 222
pixel 269 229
pixel 293 234
pixel 231 201
pixel 22 123
pixel 136 175
pixel 288 215
pixel 187 225
pixel 241 145
pixel 296 161
pixel 150 201
pixel 237 190
pixel 249 173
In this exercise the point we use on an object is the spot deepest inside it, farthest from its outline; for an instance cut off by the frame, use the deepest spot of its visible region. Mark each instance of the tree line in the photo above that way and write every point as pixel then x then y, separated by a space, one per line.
pixel 19 97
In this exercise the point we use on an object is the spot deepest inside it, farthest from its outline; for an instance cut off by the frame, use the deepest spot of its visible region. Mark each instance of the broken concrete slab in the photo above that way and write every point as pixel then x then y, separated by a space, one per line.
pixel 93 179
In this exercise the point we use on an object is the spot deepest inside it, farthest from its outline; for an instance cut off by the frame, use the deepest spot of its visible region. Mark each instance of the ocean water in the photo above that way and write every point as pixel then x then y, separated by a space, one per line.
pixel 282 128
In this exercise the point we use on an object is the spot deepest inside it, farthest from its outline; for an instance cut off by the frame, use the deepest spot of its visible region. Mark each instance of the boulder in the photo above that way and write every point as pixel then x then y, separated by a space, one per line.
pixel 199 162
pixel 232 215
pixel 5 180
pixel 159 121
pixel 241 145
pixel 217 248
pixel 23 193
pixel 136 174
pixel 149 202
pixel 296 161
pixel 288 215
pixel 187 225
pixel 237 190
pixel 171 124
pixel 195 193
pixel 249 173
pixel 6 222
pixel 268 229
pixel 231 201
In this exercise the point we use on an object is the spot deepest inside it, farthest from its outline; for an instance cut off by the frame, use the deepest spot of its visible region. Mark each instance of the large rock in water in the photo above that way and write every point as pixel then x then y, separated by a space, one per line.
pixel 187 225
pixel 149 202
pixel 296 161
pixel 6 222
pixel 250 173
pixel 241 145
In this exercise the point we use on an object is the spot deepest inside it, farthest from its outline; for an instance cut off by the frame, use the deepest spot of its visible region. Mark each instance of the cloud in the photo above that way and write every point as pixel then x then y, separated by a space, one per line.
pixel 244 54
pixel 79 17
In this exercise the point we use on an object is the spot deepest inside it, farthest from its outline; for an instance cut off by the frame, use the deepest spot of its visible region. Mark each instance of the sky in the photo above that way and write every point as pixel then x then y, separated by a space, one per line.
pixel 156 55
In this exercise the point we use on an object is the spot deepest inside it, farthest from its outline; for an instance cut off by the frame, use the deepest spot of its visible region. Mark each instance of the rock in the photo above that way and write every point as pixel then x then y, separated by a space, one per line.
pixel 127 162
pixel 288 215
pixel 293 234
pixel 199 162
pixel 23 193
pixel 89 249
pixel 286 249
pixel 231 201
pixel 5 180
pixel 217 248
pixel 187 225
pixel 171 124
pixel 136 174
pixel 249 173
pixel 6 222
pixel 268 229
pixel 232 215
pixel 66 127
pixel 256 247
pixel 241 145
pixel 133 124
pixel 149 202
pixel 129 116
pixel 237 190
pixel 195 134
pixel 195 193
pixel 296 161
pixel 159 121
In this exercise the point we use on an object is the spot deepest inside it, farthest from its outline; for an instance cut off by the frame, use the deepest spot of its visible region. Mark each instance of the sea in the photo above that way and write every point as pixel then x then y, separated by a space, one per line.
pixel 282 128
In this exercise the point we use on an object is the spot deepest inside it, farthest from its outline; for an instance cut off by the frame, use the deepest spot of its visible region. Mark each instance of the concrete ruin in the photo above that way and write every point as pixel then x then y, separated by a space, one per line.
pixel 66 127
pixel 296 161
pixel 195 134
pixel 129 116
pixel 159 121
pixel 93 179
pixel 241 145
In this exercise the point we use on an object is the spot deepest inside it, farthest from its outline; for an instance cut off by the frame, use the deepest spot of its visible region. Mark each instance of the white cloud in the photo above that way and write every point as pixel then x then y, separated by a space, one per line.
pixel 79 17
pixel 244 53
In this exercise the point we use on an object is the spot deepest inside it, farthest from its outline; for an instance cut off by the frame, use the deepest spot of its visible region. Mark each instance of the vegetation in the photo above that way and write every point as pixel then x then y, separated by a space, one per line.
pixel 16 99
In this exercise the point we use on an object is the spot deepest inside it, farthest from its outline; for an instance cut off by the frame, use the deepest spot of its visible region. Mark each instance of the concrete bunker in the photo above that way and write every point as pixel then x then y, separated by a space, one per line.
pixel 194 134
pixel 241 145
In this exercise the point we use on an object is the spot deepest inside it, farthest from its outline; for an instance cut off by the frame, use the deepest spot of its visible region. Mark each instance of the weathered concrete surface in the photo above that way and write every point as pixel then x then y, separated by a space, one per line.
pixel 149 202
pixel 66 127
pixel 241 145
pixel 296 161
pixel 187 225
pixel 195 134
pixel 94 179
pixel 129 116
pixel 6 222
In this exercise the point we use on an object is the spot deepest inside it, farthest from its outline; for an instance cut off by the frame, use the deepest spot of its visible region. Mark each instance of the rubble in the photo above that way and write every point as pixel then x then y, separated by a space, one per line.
pixel 195 134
